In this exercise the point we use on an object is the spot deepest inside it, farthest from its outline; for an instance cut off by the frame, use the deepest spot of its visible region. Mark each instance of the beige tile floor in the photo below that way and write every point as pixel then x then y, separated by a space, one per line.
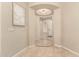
pixel 45 52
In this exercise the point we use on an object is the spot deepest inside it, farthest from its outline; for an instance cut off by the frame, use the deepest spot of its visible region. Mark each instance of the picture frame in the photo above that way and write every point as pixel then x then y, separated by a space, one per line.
pixel 18 15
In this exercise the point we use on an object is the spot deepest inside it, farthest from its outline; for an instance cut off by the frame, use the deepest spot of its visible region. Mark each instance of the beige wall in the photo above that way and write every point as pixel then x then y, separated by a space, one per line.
pixel 32 28
pixel 57 26
pixel 34 24
pixel 13 38
pixel 70 17
pixel 0 29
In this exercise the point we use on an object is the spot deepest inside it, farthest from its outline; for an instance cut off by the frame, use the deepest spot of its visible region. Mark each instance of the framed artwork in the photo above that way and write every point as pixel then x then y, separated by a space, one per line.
pixel 18 15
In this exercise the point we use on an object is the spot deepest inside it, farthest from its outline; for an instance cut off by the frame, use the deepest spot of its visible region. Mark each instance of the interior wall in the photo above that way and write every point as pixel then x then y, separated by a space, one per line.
pixel 70 17
pixel 0 29
pixel 14 38
pixel 57 26
pixel 34 24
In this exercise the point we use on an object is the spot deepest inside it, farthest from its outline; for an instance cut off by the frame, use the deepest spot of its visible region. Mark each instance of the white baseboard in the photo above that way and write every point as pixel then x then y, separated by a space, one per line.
pixel 57 45
pixel 19 52
pixel 73 52
pixel 23 50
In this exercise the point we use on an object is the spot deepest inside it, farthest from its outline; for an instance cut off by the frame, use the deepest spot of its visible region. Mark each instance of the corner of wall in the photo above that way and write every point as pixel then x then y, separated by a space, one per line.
pixel 0 29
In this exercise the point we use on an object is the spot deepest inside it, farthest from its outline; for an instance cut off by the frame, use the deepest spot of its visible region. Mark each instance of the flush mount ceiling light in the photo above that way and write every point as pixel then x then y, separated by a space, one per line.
pixel 44 9
pixel 44 12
